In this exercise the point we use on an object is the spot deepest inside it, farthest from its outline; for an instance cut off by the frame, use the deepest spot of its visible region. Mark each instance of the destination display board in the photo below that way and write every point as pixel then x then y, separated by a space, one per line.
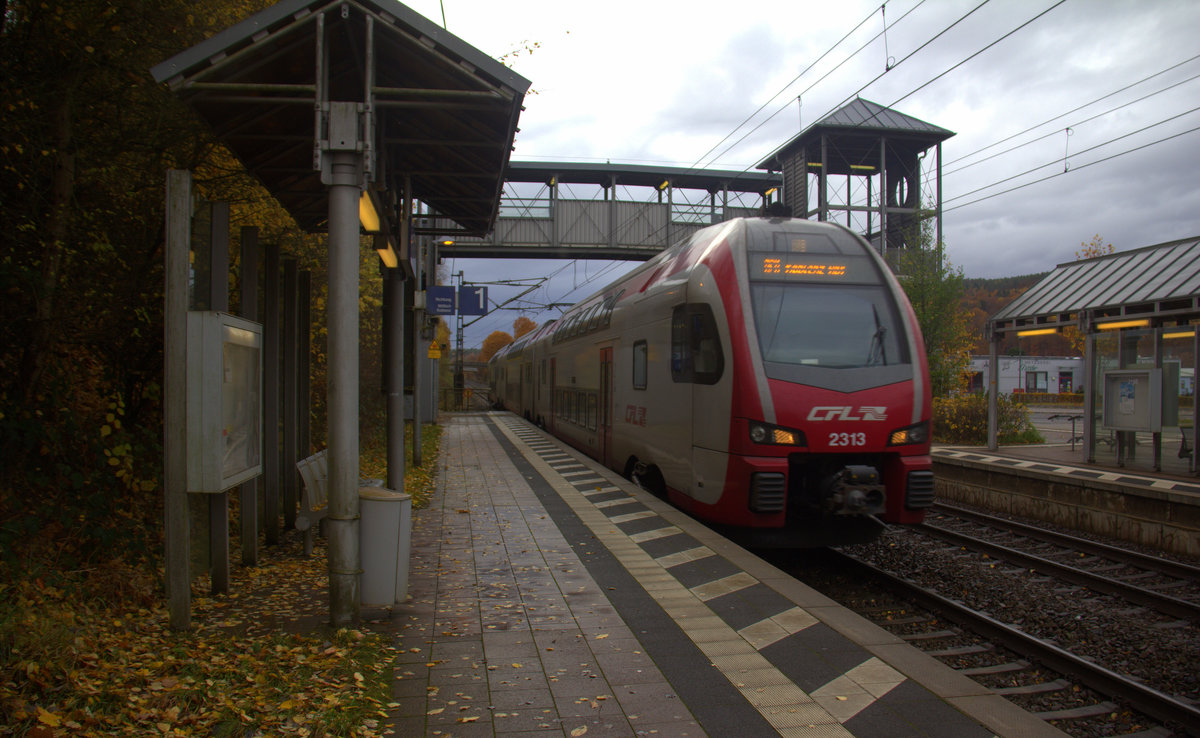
pixel 776 266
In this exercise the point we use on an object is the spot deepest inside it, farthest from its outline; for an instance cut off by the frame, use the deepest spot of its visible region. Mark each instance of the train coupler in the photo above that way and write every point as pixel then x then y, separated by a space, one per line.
pixel 855 490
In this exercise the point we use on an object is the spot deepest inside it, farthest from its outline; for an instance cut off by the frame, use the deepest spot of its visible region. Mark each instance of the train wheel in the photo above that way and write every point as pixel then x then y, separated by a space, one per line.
pixel 648 478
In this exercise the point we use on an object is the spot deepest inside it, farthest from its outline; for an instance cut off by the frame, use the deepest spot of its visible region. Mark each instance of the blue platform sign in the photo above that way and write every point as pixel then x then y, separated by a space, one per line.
pixel 472 300
pixel 439 300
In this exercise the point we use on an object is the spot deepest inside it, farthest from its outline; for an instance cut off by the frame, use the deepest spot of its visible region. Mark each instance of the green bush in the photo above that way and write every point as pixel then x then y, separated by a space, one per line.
pixel 963 419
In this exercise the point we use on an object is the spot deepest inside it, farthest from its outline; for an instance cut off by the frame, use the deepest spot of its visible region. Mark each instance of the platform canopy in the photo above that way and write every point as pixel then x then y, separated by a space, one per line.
pixel 1159 284
pixel 435 109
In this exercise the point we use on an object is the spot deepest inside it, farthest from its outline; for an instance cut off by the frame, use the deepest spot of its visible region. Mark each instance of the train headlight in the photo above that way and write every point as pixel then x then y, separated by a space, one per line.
pixel 775 435
pixel 913 434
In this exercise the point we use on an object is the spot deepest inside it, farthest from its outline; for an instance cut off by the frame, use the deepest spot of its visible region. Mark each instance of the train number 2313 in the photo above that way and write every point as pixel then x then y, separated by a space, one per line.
pixel 847 439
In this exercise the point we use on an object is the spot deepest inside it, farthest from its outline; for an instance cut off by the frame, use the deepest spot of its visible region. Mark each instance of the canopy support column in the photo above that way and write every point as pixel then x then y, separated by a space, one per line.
pixel 993 441
pixel 343 176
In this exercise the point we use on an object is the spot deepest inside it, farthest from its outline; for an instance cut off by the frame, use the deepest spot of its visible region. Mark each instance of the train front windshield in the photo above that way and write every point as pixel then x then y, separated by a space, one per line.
pixel 832 326
pixel 821 304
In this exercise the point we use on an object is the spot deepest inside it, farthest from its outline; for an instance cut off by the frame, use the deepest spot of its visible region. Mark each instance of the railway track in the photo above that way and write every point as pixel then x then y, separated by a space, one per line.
pixel 1096 639
pixel 1169 587
pixel 1031 650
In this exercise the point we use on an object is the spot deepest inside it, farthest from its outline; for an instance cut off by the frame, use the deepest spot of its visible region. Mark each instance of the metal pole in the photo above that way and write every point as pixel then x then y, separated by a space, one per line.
pixel 393 374
pixel 1089 391
pixel 993 442
pixel 175 307
pixel 271 393
pixel 344 557
pixel 939 211
pixel 249 489
pixel 304 351
pixel 418 322
pixel 218 504
pixel 288 472
pixel 1156 436
pixel 823 184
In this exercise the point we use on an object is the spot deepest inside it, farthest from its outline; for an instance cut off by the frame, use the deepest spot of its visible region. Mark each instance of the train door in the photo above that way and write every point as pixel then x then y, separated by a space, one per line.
pixel 697 366
pixel 550 421
pixel 605 409
pixel 527 391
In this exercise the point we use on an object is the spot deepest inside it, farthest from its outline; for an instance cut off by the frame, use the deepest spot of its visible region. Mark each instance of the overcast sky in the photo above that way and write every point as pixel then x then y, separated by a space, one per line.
pixel 665 82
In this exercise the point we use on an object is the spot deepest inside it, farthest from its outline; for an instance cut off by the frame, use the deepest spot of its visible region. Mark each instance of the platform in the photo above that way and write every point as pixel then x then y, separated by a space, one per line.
pixel 1055 483
pixel 550 597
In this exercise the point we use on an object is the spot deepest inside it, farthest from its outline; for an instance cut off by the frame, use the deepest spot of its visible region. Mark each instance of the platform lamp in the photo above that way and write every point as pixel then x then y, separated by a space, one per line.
pixel 373 223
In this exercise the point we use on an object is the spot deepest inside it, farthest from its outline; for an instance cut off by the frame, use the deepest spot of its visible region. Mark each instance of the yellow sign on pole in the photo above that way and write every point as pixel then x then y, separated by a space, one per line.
pixel 435 351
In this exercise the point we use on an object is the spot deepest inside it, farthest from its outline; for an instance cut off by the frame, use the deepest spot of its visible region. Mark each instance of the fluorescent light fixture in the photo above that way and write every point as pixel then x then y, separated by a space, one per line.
pixel 815 164
pixel 447 242
pixel 1037 332
pixel 366 213
pixel 863 167
pixel 1114 325
pixel 770 192
pixel 1180 334
pixel 387 254
pixel 664 184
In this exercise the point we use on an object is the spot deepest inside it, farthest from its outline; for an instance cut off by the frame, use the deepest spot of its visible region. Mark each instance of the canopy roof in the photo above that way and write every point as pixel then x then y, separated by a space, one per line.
pixel 856 128
pixel 445 113
pixel 1160 283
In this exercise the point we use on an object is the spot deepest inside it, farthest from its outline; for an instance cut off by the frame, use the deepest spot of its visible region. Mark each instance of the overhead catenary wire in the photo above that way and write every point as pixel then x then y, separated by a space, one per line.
pixel 1088 104
pixel 1077 153
pixel 1073 169
pixel 872 81
pixel 794 80
pixel 1057 131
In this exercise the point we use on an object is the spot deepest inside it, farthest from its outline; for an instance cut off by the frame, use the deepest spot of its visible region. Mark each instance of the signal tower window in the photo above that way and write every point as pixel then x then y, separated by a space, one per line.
pixel 640 355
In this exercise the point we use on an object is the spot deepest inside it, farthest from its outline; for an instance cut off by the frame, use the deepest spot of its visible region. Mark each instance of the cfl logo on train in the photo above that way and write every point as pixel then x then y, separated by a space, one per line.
pixel 835 412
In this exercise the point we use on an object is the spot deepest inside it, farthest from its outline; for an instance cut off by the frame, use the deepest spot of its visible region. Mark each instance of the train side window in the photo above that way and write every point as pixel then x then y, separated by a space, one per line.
pixel 696 354
pixel 639 365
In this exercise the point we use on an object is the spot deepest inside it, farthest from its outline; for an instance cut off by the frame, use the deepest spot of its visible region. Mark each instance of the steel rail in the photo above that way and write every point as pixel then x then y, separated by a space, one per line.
pixel 1166 566
pixel 1163 603
pixel 1148 700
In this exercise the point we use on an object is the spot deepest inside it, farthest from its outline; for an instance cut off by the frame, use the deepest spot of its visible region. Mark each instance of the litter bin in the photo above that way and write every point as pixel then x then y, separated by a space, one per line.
pixel 385 538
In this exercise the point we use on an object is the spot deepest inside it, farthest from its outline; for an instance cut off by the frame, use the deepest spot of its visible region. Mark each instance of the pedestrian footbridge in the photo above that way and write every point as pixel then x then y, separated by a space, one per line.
pixel 604 211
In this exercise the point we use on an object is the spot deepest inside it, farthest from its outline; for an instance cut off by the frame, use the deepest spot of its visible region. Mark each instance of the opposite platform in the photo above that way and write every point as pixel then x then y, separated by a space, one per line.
pixel 550 597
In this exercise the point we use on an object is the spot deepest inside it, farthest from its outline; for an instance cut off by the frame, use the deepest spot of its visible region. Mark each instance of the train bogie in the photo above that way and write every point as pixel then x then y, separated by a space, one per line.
pixel 767 376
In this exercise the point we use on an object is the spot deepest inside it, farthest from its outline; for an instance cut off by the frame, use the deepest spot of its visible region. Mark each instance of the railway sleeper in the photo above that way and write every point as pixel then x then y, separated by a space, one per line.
pixel 1055 685
pixel 1005 668
pixel 1079 713
pixel 962 650
pixel 931 635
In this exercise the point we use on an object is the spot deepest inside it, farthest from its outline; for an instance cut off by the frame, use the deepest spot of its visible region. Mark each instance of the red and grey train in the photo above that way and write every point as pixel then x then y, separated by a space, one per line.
pixel 767 376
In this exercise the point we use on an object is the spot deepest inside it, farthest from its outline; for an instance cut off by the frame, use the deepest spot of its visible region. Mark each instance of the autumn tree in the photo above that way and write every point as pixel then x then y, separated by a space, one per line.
pixel 495 341
pixel 88 138
pixel 523 325
pixel 1087 250
pixel 935 291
